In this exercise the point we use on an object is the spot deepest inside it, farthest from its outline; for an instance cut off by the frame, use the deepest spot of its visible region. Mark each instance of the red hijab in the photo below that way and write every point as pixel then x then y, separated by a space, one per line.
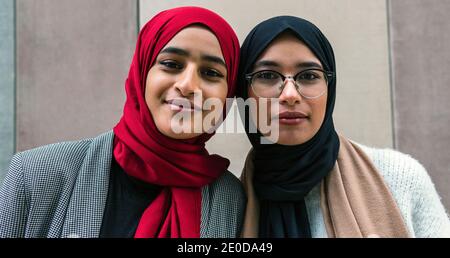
pixel 182 168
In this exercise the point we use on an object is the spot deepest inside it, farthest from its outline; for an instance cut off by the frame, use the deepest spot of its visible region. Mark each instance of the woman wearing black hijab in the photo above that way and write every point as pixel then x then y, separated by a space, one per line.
pixel 313 182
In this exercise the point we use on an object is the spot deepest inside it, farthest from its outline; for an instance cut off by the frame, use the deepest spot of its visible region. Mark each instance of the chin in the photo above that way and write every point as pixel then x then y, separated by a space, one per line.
pixel 182 136
pixel 179 136
pixel 292 139
pixel 290 142
pixel 166 130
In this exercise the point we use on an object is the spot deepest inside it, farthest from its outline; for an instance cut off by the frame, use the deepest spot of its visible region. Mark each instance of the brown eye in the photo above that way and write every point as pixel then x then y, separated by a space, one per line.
pixel 309 77
pixel 171 65
pixel 211 73
pixel 267 75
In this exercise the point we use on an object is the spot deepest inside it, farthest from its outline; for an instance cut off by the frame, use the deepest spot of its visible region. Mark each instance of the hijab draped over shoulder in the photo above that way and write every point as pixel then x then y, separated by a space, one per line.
pixel 277 178
pixel 181 167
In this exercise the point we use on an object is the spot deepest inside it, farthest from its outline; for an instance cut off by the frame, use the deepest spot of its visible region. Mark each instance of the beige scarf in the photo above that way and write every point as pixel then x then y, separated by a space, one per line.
pixel 354 198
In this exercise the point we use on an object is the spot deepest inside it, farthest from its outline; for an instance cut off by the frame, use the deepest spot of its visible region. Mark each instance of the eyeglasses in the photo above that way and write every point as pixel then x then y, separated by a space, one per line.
pixel 310 83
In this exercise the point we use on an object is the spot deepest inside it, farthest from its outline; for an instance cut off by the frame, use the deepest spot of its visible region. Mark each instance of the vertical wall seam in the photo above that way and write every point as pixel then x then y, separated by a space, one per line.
pixel 391 73
pixel 14 77
pixel 138 17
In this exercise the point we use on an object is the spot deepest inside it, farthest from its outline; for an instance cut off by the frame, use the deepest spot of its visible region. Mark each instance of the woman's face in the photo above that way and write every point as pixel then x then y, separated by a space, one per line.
pixel 189 70
pixel 298 118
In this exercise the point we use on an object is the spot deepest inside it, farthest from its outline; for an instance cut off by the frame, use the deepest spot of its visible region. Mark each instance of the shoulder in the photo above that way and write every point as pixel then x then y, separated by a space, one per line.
pixel 400 170
pixel 51 163
pixel 53 155
pixel 52 158
pixel 223 205
pixel 227 186
pixel 413 191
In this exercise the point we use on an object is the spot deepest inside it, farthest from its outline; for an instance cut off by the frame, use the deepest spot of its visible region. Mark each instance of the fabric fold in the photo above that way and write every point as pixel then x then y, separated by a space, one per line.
pixel 181 167
pixel 355 201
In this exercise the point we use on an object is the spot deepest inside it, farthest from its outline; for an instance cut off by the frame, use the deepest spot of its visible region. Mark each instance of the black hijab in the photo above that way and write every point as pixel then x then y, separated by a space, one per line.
pixel 284 175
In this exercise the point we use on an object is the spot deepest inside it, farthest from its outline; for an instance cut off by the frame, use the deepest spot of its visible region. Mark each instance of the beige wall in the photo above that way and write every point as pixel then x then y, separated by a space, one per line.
pixel 421 61
pixel 6 84
pixel 358 32
pixel 72 61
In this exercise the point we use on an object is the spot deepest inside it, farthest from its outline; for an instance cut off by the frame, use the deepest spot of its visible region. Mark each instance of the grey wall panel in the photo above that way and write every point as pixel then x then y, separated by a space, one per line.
pixel 421 63
pixel 72 60
pixel 6 84
pixel 357 30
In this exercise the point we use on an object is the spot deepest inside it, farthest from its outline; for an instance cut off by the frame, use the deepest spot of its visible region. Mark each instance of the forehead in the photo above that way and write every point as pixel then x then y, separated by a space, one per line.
pixel 288 49
pixel 196 38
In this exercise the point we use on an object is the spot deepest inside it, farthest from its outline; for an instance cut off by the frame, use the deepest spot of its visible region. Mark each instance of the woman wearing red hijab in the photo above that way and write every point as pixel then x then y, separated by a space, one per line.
pixel 151 176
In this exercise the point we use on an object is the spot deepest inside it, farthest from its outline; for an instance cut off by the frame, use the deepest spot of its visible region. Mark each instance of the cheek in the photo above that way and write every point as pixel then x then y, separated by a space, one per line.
pixel 220 92
pixel 253 102
pixel 261 111
pixel 215 94
pixel 155 88
pixel 318 110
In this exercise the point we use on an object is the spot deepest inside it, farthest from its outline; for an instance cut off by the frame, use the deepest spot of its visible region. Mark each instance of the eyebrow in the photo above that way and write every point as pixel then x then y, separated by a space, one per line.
pixel 182 52
pixel 214 59
pixel 176 51
pixel 304 65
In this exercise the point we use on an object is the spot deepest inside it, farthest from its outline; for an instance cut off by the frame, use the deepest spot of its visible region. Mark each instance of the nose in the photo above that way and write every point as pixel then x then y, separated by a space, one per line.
pixel 289 94
pixel 188 83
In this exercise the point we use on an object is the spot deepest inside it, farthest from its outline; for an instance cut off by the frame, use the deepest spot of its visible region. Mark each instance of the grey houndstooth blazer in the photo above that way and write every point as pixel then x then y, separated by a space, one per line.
pixel 60 190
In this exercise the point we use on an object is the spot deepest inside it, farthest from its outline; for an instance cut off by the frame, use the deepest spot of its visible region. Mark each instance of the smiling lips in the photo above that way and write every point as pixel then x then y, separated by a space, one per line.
pixel 291 118
pixel 181 104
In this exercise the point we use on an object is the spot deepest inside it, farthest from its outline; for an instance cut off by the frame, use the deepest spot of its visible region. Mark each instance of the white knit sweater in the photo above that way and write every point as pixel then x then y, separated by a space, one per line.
pixel 412 189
